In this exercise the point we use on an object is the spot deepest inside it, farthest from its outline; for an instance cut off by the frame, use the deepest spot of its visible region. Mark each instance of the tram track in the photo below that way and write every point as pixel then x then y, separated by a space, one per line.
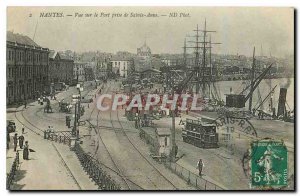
pixel 55 148
pixel 126 182
pixel 122 131
pixel 39 131
pixel 33 125
pixel 120 173
pixel 129 184
pixel 108 167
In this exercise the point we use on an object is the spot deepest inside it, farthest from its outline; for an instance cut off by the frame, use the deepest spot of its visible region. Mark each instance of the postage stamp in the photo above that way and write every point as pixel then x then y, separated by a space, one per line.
pixel 268 164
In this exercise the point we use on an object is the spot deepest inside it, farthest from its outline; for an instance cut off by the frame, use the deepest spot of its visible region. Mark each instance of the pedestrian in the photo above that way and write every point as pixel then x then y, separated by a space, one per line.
pixel 50 129
pixel 39 100
pixel 26 151
pixel 176 150
pixel 200 166
pixel 21 141
pixel 15 138
pixel 180 122
pixel 136 121
pixel 23 129
pixel 7 139
pixel 25 104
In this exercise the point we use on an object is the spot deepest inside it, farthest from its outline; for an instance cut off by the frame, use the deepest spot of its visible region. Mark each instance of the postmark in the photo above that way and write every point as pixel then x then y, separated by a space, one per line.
pixel 268 164
pixel 233 130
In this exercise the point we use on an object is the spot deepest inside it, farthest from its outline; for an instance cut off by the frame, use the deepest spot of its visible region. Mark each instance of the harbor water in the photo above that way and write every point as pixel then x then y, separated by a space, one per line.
pixel 263 89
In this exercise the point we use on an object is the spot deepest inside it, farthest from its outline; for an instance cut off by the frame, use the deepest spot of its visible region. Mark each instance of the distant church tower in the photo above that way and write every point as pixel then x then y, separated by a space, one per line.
pixel 144 50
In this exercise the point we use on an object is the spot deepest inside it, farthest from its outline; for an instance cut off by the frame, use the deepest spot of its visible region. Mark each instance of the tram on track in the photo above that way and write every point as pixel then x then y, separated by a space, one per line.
pixel 199 134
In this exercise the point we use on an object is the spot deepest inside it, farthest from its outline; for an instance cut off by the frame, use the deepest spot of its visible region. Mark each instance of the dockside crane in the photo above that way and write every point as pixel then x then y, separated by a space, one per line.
pixel 255 83
pixel 178 89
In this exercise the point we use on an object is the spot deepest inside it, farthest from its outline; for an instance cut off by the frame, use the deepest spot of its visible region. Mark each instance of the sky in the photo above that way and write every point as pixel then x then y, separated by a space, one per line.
pixel 239 29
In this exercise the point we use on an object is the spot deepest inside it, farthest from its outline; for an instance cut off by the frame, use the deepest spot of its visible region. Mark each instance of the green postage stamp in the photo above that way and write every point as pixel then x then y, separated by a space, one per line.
pixel 268 164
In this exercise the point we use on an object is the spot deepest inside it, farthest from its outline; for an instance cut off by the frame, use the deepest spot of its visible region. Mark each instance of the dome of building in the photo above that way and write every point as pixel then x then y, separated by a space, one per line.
pixel 144 50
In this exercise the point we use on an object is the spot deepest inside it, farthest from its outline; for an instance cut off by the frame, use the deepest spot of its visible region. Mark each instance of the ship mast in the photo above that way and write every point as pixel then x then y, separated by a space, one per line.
pixel 252 81
pixel 201 79
pixel 184 54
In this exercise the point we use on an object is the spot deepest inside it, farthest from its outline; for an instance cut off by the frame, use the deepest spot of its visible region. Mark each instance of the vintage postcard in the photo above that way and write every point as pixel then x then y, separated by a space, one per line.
pixel 150 98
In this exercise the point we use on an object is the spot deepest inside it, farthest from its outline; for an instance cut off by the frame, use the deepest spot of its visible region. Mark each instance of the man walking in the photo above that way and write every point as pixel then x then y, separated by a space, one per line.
pixel 7 139
pixel 181 121
pixel 23 129
pixel 200 166
pixel 137 121
pixel 15 138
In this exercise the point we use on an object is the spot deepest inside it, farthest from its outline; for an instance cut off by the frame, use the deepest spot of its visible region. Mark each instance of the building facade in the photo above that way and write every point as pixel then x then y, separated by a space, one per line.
pixel 89 74
pixel 103 68
pixel 142 61
pixel 120 66
pixel 78 70
pixel 27 67
pixel 60 68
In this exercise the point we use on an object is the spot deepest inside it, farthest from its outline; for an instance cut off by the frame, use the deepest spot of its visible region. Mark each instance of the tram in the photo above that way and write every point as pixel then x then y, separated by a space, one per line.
pixel 199 134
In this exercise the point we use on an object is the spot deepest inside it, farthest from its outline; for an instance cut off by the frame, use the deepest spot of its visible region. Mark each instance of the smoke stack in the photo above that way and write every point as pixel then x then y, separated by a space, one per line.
pixel 281 102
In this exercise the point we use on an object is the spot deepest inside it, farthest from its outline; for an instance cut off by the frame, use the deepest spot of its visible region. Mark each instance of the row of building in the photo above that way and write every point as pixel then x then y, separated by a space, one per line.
pixel 31 68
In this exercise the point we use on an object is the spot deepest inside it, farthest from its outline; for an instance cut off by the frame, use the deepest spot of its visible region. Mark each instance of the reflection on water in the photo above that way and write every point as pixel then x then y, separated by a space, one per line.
pixel 263 88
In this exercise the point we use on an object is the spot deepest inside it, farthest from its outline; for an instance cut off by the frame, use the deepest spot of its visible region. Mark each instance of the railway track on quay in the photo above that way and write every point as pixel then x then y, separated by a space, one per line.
pixel 120 130
pixel 38 131
pixel 33 128
pixel 126 183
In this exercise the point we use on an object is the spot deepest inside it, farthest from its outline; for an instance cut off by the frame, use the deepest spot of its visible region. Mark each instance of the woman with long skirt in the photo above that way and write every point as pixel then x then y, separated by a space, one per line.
pixel 26 151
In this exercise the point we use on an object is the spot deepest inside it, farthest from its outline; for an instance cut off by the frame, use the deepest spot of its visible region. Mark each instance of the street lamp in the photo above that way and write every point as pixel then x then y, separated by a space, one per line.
pixel 77 73
pixel 80 89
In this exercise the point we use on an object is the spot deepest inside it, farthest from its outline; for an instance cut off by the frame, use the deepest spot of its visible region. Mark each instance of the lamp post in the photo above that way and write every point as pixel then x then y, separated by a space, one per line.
pixel 75 122
pixel 77 73
pixel 79 88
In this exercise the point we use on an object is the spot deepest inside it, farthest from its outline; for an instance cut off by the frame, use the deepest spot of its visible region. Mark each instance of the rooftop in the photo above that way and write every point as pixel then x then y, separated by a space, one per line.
pixel 20 39
pixel 163 131
pixel 120 58
pixel 62 56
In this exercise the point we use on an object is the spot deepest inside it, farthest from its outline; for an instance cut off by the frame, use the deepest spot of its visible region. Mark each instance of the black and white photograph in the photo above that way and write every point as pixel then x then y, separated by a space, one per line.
pixel 150 98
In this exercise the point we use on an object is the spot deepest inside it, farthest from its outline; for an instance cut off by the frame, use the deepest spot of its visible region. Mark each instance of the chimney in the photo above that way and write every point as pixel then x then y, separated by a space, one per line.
pixel 281 101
